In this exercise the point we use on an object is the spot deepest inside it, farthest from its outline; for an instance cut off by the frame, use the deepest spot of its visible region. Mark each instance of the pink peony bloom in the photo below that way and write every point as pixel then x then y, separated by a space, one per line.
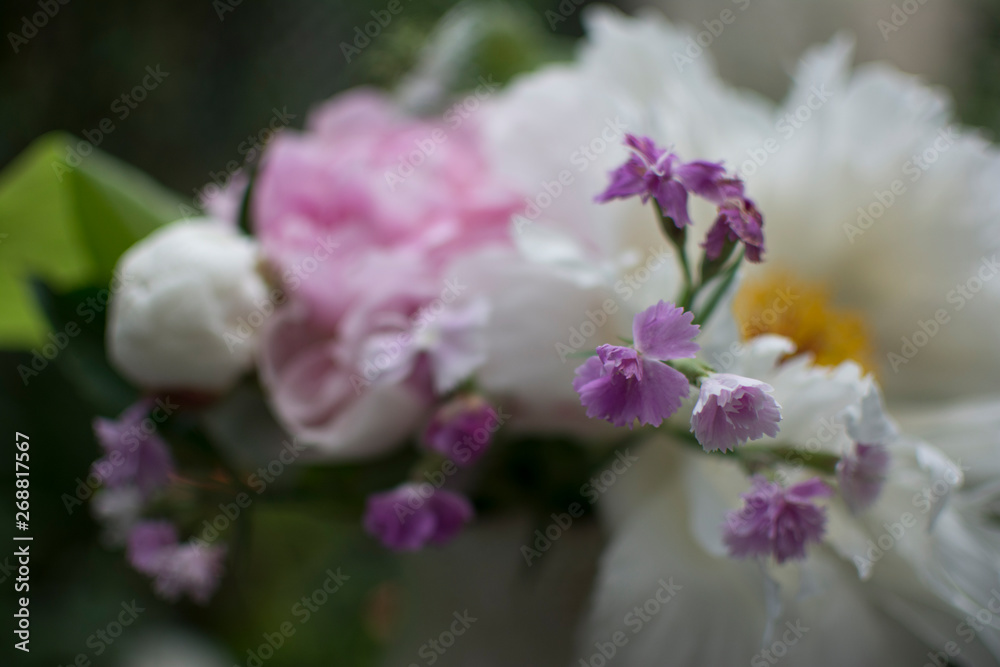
pixel 361 216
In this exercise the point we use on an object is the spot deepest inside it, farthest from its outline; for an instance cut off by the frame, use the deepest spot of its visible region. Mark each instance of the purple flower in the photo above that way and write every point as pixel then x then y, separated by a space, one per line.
pixel 149 543
pixel 133 454
pixel 739 220
pixel 732 410
pixel 622 384
pixel 190 569
pixel 652 171
pixel 177 569
pixel 861 475
pixel 462 429
pixel 413 515
pixel 776 521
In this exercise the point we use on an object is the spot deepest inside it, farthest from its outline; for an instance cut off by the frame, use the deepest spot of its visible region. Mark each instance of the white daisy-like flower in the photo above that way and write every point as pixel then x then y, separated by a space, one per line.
pixel 877 206
pixel 881 221
pixel 900 579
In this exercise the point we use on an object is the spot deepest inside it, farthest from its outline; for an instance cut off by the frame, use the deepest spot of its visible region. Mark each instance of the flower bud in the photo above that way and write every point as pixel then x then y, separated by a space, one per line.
pixel 186 312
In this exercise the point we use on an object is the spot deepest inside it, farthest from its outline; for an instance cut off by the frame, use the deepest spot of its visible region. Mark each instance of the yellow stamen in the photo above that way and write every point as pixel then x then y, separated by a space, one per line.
pixel 779 303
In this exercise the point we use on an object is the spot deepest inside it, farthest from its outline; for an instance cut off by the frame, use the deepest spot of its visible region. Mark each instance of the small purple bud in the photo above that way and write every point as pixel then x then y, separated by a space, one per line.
pixel 410 516
pixel 861 475
pixel 775 521
pixel 191 569
pixel 462 429
pixel 732 410
pixel 149 543
pixel 133 455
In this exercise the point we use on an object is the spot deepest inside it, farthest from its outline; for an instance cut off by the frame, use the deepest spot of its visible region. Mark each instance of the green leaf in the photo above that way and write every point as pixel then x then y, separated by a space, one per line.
pixel 66 219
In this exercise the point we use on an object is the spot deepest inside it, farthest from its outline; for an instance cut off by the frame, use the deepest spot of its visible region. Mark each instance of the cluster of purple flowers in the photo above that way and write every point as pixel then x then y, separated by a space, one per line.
pixel 136 465
pixel 414 515
pixel 655 173
pixel 627 384
pixel 177 568
pixel 644 382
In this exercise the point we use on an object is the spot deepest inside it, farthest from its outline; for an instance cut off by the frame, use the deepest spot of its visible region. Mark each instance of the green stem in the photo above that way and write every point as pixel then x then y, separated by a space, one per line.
pixel 678 238
pixel 726 281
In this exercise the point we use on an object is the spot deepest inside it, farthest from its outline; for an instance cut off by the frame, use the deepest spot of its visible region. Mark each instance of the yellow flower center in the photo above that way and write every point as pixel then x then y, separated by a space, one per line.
pixel 780 303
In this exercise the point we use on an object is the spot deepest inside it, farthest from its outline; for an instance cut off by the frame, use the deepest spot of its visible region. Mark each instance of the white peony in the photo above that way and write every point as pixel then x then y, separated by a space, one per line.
pixel 938 231
pixel 899 581
pixel 184 315
pixel 916 264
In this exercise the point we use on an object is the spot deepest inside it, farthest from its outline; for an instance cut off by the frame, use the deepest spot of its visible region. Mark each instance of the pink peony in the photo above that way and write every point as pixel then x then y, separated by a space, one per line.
pixel 360 216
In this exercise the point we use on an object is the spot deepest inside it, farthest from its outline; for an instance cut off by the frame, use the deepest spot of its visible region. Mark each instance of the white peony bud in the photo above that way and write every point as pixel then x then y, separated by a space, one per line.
pixel 178 319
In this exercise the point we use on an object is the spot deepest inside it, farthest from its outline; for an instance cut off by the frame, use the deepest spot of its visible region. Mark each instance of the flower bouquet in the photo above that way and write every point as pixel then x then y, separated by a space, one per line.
pixel 615 363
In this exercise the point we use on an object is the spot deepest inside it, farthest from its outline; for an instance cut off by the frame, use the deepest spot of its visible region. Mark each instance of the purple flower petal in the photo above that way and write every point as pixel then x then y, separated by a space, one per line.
pixel 133 455
pixel 627 181
pixel 664 331
pixel 462 429
pixel 149 543
pixel 190 569
pixel 739 220
pixel 732 410
pixel 409 517
pixel 861 476
pixel 776 521
pixel 673 200
pixel 709 181
pixel 646 390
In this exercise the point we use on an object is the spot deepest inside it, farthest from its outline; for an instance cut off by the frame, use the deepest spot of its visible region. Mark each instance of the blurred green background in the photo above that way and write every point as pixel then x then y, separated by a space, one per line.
pixel 230 66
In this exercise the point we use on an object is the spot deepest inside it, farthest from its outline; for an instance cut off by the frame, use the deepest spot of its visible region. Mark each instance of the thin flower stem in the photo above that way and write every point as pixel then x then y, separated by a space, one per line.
pixel 728 276
pixel 678 238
